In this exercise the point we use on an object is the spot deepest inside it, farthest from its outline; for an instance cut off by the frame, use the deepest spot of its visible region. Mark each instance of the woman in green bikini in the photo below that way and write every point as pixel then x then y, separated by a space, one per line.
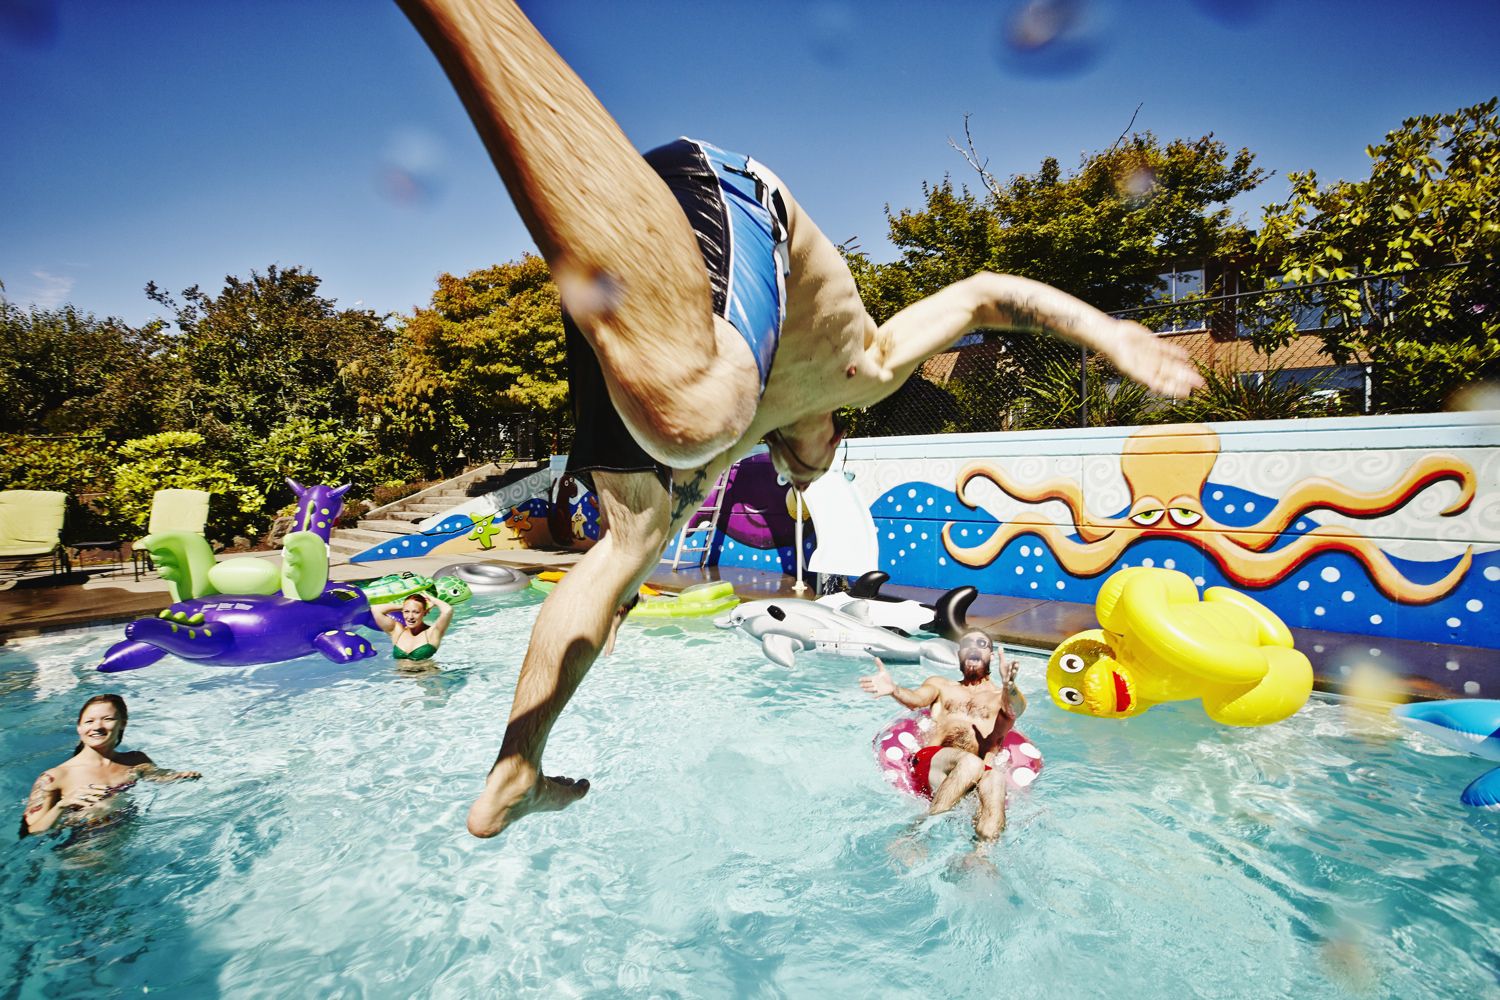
pixel 412 638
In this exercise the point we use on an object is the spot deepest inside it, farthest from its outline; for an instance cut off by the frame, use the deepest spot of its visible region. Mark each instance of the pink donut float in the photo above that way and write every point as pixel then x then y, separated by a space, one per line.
pixel 908 733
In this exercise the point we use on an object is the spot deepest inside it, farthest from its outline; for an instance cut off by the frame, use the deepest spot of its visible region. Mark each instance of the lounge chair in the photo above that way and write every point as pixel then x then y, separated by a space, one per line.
pixel 31 523
pixel 172 510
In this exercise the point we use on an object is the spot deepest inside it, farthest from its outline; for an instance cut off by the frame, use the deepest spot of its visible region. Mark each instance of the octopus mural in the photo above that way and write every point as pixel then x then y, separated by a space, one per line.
pixel 1167 470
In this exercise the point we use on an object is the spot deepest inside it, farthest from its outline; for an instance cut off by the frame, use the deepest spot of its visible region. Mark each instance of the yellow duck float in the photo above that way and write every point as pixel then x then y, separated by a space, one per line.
pixel 1159 643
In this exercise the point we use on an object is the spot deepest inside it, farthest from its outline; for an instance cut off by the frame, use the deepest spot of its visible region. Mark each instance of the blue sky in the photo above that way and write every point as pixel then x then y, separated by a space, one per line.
pixel 182 140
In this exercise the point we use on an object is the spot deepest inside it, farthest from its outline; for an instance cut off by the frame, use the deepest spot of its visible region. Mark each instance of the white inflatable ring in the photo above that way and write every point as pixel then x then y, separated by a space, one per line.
pixel 487 578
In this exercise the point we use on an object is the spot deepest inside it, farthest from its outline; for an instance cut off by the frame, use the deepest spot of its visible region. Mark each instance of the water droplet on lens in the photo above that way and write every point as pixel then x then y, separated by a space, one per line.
pixel 411 168
pixel 1136 184
pixel 586 296
pixel 1050 38
pixel 830 30
pixel 1477 396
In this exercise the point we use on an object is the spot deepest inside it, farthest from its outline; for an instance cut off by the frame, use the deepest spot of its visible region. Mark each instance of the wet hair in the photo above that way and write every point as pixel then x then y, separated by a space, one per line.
pixel 119 706
pixel 419 598
pixel 979 640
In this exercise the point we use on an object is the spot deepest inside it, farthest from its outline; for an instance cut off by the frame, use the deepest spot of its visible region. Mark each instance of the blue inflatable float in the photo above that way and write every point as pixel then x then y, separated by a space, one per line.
pixel 1468 724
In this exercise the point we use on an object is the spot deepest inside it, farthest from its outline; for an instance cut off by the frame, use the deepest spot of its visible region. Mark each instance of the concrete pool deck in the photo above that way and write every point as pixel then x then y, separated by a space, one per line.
pixel 1340 660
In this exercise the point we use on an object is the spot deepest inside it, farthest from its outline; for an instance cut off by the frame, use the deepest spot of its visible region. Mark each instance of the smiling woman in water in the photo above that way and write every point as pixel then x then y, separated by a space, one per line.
pixel 77 791
pixel 413 638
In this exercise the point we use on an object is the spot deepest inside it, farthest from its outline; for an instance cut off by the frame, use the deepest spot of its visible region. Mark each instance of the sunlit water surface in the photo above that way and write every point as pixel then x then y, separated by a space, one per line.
pixel 738 841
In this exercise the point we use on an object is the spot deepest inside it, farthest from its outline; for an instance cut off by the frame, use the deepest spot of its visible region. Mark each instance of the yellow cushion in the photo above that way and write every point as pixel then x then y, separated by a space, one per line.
pixel 178 510
pixel 31 519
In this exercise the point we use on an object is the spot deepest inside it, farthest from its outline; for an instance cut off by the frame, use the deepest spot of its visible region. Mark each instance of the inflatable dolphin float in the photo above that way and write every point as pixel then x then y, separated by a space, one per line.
pixel 1471 725
pixel 786 627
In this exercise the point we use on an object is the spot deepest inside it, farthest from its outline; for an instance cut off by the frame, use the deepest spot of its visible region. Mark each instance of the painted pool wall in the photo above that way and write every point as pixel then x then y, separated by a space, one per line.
pixel 756 528
pixel 1381 526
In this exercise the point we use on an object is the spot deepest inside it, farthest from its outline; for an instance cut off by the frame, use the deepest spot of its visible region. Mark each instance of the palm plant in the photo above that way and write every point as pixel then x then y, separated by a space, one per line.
pixel 1271 394
pixel 1050 397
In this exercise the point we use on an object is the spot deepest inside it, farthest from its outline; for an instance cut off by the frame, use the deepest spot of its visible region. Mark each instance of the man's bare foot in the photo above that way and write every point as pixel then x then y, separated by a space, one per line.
pixel 977 862
pixel 515 788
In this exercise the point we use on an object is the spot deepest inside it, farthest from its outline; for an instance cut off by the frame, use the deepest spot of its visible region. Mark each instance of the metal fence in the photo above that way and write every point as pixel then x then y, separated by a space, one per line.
pixel 1377 344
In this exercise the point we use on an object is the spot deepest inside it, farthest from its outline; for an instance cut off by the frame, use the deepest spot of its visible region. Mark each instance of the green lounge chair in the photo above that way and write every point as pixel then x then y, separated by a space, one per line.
pixel 172 510
pixel 31 523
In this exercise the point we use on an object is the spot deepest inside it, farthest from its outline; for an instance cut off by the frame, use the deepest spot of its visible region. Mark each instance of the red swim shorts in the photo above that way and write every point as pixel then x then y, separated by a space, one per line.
pixel 921 765
pixel 921 768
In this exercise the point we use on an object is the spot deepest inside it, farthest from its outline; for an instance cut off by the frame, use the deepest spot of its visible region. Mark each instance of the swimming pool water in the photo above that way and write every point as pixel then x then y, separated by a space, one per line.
pixel 738 841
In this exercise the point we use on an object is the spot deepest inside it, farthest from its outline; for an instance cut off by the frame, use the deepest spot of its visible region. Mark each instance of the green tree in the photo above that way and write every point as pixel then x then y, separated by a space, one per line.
pixel 481 365
pixel 74 465
pixel 64 371
pixel 265 349
pixel 1103 233
pixel 325 451
pixel 1425 223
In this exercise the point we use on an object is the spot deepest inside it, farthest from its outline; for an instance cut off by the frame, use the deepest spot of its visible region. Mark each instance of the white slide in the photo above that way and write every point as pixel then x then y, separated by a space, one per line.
pixel 847 543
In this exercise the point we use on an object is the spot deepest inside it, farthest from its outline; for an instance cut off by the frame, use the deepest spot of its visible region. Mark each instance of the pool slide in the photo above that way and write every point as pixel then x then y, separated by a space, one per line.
pixel 847 543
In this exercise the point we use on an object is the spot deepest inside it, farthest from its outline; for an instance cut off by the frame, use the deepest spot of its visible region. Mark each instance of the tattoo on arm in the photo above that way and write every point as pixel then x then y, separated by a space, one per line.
pixel 42 794
pixel 689 495
pixel 1022 318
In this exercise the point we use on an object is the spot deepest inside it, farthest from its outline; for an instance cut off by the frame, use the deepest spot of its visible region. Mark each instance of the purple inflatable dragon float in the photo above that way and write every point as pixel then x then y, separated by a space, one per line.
pixel 247 611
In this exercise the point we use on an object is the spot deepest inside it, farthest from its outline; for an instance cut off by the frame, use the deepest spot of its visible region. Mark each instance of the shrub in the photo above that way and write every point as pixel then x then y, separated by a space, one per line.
pixel 1050 394
pixel 74 465
pixel 1268 395
pixel 178 460
pixel 325 451
pixel 1417 377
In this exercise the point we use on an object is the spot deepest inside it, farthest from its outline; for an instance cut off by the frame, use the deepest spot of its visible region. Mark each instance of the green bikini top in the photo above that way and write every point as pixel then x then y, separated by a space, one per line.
pixel 422 652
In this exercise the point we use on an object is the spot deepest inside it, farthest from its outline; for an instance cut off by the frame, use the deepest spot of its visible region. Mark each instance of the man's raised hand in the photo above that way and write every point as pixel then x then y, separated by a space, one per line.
pixel 1155 363
pixel 880 683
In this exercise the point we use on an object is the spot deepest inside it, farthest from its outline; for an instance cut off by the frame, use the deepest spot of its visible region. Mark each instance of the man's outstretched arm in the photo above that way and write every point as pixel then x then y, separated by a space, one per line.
pixel 989 301
pixel 881 684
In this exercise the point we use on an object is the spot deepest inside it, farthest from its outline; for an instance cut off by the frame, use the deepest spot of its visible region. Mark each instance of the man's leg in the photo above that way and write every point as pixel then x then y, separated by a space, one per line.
pixel 989 818
pixel 619 245
pixel 570 630
pixel 953 773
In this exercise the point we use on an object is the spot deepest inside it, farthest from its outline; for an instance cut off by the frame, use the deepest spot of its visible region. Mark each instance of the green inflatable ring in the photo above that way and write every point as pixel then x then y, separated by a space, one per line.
pixel 694 602
pixel 395 587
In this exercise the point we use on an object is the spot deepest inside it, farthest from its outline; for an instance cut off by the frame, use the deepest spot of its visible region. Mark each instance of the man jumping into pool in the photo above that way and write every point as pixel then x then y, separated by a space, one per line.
pixel 706 313
pixel 970 719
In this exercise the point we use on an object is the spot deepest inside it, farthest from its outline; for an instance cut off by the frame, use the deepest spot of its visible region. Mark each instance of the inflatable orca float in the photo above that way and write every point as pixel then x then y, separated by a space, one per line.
pixel 786 627
pixel 944 616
